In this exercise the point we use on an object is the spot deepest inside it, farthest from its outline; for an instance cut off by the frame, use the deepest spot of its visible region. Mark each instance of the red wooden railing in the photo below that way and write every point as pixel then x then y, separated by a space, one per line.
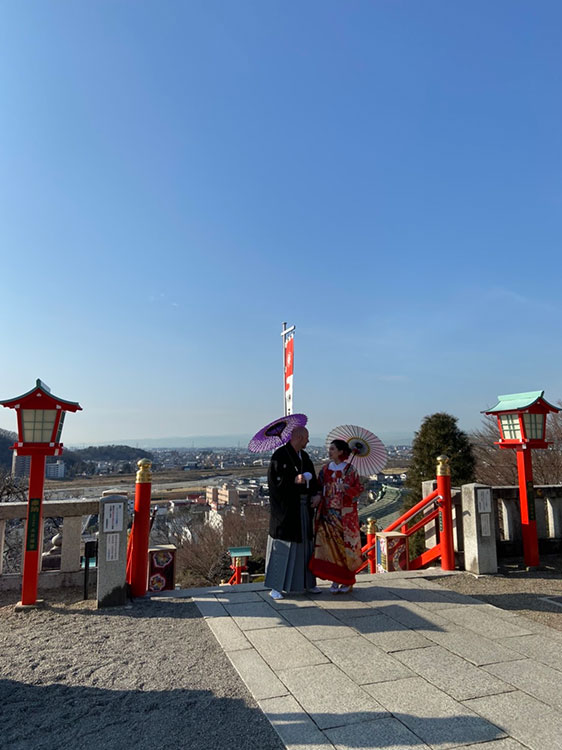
pixel 441 497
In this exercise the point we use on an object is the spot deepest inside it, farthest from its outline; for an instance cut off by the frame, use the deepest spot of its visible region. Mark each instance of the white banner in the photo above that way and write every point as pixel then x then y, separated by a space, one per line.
pixel 289 357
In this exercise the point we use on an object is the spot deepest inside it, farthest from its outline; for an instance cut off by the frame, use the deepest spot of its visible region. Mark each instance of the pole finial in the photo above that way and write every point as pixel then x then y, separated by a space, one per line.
pixel 443 467
pixel 372 527
pixel 144 474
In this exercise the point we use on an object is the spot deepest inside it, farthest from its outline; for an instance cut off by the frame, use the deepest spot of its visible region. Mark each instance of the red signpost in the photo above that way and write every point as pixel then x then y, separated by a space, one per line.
pixel 40 420
pixel 522 424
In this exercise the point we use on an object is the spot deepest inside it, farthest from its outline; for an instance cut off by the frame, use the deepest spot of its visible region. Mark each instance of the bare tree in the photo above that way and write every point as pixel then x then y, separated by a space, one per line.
pixel 12 489
pixel 203 558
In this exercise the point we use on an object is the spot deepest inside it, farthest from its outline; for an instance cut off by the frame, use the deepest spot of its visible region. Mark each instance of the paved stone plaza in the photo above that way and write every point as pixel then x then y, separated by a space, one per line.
pixel 402 663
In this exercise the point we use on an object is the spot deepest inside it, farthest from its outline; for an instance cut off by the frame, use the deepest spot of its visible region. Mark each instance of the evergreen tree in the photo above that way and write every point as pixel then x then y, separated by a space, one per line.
pixel 437 435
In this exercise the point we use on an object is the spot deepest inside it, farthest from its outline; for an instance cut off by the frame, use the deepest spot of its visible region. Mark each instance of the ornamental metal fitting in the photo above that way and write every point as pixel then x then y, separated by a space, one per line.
pixel 144 474
pixel 443 468
pixel 372 526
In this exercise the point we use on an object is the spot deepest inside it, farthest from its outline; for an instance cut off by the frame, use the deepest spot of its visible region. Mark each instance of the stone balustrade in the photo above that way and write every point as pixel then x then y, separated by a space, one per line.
pixel 72 513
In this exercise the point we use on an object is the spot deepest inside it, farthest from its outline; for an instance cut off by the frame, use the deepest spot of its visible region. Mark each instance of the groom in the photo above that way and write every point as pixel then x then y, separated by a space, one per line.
pixel 292 482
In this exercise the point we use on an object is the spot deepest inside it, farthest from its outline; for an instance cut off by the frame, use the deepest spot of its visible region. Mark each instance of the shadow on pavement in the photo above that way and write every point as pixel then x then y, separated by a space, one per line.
pixel 48 717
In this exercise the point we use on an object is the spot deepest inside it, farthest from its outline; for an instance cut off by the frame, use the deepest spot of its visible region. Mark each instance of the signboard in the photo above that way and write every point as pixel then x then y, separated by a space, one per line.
pixel 485 526
pixel 392 551
pixel 33 524
pixel 112 548
pixel 484 500
pixel 113 516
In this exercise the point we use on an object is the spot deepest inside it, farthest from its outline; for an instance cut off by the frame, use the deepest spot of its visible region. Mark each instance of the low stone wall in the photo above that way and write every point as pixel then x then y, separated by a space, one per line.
pixel 72 513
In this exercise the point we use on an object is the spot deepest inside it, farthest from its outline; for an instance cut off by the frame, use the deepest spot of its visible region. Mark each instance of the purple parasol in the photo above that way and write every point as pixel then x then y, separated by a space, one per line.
pixel 276 433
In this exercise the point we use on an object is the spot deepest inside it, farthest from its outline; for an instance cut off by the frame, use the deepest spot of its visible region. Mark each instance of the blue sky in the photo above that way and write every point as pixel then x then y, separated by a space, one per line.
pixel 178 178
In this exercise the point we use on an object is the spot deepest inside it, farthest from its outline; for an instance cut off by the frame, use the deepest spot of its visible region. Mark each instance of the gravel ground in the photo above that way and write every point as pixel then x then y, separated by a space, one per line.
pixel 152 676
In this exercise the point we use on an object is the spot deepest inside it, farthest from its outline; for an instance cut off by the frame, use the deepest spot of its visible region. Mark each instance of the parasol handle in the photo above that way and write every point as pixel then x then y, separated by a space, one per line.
pixel 353 454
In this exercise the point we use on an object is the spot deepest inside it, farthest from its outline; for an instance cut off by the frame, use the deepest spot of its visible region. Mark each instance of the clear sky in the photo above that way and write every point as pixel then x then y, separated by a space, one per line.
pixel 178 178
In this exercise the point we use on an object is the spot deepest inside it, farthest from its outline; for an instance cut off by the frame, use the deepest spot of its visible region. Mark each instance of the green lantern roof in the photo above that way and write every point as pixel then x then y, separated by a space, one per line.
pixel 519 401
pixel 239 551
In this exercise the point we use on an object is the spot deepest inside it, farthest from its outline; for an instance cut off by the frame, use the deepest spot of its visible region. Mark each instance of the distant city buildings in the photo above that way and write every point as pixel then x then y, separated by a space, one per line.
pixel 22 464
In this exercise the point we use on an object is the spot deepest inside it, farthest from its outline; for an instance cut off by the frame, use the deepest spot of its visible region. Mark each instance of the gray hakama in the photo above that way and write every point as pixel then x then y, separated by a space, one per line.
pixel 286 563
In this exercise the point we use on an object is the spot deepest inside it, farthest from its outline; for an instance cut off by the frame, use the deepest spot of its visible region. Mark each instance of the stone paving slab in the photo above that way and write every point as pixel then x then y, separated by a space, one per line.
pixel 330 697
pixel 288 602
pixel 541 648
pixel 435 717
pixel 343 608
pixel 255 615
pixel 387 733
pixel 233 597
pixel 209 607
pixel 228 634
pixel 364 593
pixel 429 598
pixel 485 622
pixel 257 675
pixel 362 660
pixel 475 648
pixel 539 680
pixel 413 616
pixel 388 634
pixel 317 624
pixel 293 725
pixel 452 674
pixel 284 648
pixel 531 722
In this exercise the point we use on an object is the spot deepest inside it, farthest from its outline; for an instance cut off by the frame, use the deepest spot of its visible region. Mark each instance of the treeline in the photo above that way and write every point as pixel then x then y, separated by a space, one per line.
pixel 109 453
pixel 83 460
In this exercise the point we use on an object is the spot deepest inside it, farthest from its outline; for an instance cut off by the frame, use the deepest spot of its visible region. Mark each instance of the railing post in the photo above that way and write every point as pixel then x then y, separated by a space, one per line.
pixel 141 529
pixel 371 540
pixel 446 508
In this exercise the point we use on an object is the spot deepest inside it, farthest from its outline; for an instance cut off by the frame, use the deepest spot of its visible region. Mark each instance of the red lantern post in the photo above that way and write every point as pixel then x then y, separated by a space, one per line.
pixel 522 424
pixel 40 420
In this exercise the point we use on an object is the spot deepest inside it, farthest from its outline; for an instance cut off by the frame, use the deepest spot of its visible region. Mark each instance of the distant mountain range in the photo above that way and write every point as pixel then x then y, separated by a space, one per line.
pixel 226 441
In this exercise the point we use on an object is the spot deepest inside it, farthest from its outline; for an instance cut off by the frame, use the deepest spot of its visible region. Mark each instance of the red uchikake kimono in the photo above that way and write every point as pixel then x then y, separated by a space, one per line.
pixel 337 541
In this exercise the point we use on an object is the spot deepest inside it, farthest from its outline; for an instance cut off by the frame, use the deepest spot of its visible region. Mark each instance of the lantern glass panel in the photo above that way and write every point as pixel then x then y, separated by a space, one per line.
pixel 511 427
pixel 38 425
pixel 534 426
pixel 59 428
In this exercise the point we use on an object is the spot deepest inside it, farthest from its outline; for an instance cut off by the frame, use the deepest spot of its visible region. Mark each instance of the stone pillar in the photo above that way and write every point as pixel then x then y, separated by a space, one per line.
pixel 554 515
pixel 112 551
pixel 511 519
pixel 480 554
pixel 71 537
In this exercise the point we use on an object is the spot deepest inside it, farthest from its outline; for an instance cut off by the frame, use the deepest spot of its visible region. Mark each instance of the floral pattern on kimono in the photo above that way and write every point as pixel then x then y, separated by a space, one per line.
pixel 337 540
